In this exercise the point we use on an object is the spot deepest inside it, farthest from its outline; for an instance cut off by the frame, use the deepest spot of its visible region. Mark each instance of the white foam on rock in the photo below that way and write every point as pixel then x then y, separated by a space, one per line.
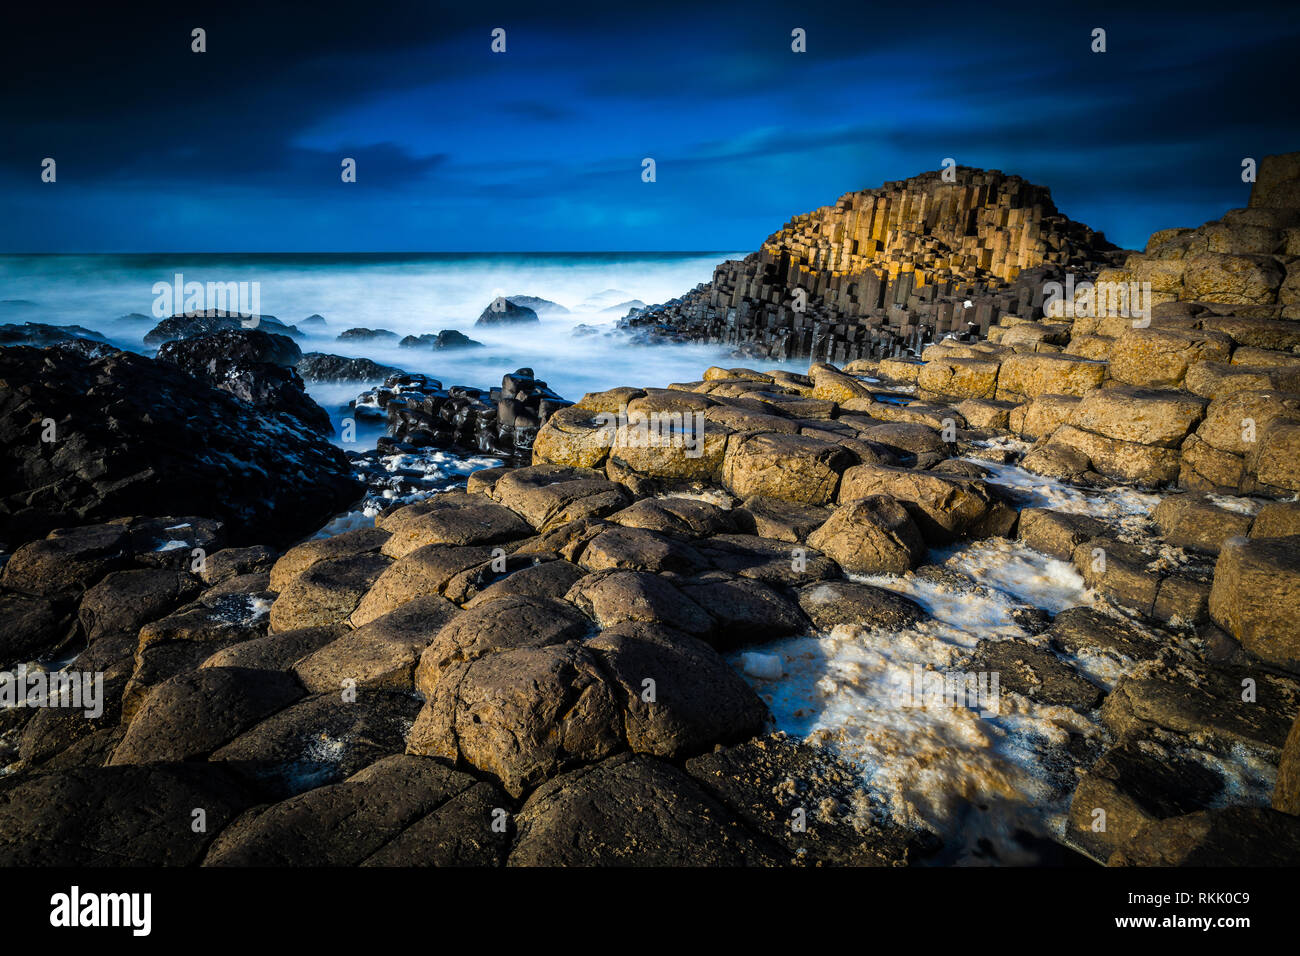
pixel 968 776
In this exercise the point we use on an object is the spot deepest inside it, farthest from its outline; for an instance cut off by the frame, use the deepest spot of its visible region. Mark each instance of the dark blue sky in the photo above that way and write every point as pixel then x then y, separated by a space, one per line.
pixel 460 149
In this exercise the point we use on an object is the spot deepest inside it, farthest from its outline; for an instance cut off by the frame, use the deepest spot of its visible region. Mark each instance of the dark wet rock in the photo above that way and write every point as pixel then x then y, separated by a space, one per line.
pixel 255 367
pixel 539 305
pixel 1084 630
pixel 1208 702
pixel 320 740
pixel 778 519
pixel 279 651
pixel 503 311
pixel 767 781
pixel 322 367
pixel 313 321
pixel 190 715
pixel 346 823
pixel 763 559
pixel 366 335
pixel 1234 836
pixel 1133 784
pixel 470 829
pixel 126 431
pixel 124 601
pixel 195 324
pixel 632 810
pixel 830 603
pixel 71 338
pixel 54 731
pixel 235 562
pixel 744 611
pixel 32 626
pixel 187 637
pixel 1034 672
pixel 446 339
pixel 125 816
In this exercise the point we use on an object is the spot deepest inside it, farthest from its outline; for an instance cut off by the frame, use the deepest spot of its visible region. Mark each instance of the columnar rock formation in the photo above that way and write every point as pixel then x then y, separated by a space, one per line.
pixel 887 269
pixel 534 667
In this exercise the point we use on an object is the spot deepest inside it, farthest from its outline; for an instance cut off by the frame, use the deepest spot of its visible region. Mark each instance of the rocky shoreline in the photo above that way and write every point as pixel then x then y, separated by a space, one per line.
pixel 569 661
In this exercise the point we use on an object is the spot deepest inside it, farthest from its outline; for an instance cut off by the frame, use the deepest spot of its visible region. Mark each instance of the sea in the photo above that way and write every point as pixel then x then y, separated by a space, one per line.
pixel 406 294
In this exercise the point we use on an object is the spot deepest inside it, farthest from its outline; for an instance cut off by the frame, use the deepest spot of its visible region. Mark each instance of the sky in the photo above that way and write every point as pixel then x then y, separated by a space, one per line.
pixel 541 148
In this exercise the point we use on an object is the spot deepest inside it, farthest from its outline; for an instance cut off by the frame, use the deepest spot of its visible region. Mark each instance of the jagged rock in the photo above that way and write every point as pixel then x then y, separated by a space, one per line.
pixel 366 335
pixel 884 270
pixel 1205 703
pixel 505 312
pixel 113 414
pixel 1286 794
pixel 322 367
pixel 192 324
pixel 765 781
pixel 446 339
pixel 124 601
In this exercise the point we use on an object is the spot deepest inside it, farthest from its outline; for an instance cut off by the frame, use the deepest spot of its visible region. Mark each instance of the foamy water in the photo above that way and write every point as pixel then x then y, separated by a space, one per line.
pixel 407 295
